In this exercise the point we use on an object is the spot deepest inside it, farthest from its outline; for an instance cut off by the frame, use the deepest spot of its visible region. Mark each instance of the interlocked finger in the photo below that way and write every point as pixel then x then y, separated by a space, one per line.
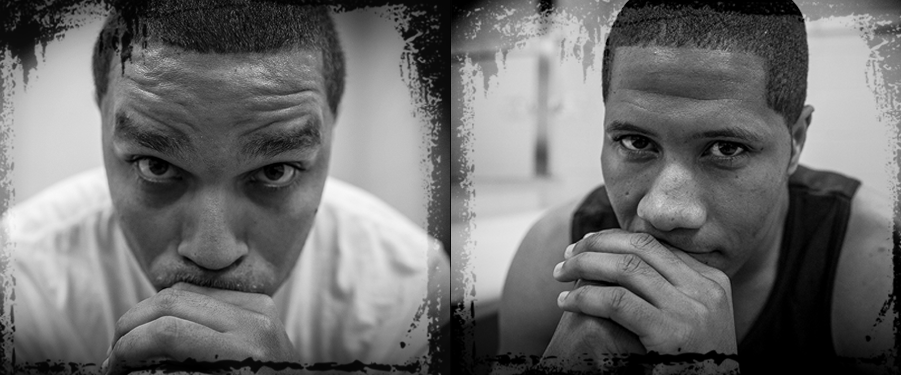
pixel 615 303
pixel 628 270
pixel 170 338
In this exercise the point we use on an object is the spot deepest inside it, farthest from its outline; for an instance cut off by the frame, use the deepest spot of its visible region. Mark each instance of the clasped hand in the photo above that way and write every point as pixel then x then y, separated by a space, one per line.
pixel 636 295
pixel 204 324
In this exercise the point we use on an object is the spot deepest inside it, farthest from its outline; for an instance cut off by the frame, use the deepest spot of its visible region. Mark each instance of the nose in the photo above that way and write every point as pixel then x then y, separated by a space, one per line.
pixel 210 239
pixel 673 201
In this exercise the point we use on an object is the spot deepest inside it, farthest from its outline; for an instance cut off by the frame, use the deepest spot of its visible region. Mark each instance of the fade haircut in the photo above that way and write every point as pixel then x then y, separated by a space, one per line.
pixel 771 30
pixel 222 26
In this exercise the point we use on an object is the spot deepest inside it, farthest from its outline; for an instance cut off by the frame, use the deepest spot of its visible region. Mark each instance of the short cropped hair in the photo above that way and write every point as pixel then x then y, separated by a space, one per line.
pixel 771 30
pixel 223 26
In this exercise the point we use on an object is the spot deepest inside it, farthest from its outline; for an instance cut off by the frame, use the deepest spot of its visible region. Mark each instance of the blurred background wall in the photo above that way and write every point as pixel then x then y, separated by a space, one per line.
pixel 379 145
pixel 533 113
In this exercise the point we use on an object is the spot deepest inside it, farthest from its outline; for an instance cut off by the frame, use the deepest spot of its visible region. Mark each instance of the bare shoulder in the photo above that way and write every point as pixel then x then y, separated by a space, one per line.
pixel 862 316
pixel 528 312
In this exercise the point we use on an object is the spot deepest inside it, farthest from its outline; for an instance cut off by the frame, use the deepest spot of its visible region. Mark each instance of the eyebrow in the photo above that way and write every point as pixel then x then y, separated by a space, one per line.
pixel 730 132
pixel 163 140
pixel 621 126
pixel 273 143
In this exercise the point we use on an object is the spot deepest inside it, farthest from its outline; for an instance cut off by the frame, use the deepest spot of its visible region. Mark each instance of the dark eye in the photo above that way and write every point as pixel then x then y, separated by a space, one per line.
pixel 726 149
pixel 156 169
pixel 276 175
pixel 635 143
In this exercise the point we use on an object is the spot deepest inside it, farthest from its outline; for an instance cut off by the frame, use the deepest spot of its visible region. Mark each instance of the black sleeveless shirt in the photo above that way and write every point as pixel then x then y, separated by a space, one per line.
pixel 793 330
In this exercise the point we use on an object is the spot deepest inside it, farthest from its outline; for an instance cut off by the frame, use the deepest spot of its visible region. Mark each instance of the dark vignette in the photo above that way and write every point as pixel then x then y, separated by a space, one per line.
pixel 424 26
pixel 476 19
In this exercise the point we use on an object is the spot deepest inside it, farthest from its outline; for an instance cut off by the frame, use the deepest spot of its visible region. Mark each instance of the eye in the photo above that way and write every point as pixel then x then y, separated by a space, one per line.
pixel 154 169
pixel 634 142
pixel 275 175
pixel 726 149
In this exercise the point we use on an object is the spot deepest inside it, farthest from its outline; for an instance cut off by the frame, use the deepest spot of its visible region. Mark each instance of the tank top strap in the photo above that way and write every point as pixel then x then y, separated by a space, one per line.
pixel 823 183
pixel 796 321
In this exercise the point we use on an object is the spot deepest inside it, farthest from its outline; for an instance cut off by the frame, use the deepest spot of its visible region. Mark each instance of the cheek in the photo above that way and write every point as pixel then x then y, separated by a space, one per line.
pixel 280 238
pixel 277 234
pixel 747 204
pixel 624 187
pixel 149 234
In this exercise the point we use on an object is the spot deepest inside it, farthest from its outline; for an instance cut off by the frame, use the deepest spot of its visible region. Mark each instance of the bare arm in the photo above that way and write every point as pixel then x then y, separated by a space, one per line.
pixel 528 313
pixel 862 317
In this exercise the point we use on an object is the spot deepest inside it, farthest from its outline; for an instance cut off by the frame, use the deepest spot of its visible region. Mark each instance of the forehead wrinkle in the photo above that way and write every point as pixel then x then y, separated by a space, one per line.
pixel 268 81
pixel 297 101
pixel 275 73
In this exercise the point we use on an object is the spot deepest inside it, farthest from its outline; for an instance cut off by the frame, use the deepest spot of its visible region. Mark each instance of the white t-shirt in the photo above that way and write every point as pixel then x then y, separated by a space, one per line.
pixel 355 293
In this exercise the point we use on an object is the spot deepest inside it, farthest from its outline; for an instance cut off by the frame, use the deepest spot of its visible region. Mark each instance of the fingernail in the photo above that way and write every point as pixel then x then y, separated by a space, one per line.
pixel 103 369
pixel 109 350
pixel 562 297
pixel 569 251
pixel 588 234
pixel 557 269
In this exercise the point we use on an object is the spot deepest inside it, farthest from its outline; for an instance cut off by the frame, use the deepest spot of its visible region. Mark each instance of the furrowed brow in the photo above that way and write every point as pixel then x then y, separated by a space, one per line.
pixel 165 141
pixel 731 132
pixel 273 143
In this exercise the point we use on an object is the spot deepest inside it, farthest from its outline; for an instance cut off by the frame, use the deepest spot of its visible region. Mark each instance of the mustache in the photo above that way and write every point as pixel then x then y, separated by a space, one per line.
pixel 247 285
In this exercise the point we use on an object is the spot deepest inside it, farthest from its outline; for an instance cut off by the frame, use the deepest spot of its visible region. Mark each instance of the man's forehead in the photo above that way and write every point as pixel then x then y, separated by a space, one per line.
pixel 191 85
pixel 689 72
pixel 289 69
pixel 699 90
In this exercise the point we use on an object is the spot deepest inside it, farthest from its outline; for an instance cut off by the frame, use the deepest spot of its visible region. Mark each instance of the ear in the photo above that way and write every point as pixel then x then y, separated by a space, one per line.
pixel 798 133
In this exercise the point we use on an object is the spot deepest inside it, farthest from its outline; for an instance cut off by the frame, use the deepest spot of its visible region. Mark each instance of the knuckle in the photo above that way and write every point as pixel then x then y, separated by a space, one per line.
pixel 717 292
pixel 619 299
pixel 588 241
pixel 576 265
pixel 165 300
pixel 168 329
pixel 577 296
pixel 631 264
pixel 642 241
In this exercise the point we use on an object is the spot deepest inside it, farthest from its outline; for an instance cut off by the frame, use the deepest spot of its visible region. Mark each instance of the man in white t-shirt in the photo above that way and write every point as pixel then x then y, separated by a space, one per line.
pixel 213 232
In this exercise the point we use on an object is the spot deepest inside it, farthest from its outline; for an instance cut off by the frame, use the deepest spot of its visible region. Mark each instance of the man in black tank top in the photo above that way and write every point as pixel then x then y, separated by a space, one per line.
pixel 710 247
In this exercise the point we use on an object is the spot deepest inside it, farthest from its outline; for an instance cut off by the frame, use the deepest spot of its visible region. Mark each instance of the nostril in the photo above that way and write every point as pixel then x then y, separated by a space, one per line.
pixel 213 255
